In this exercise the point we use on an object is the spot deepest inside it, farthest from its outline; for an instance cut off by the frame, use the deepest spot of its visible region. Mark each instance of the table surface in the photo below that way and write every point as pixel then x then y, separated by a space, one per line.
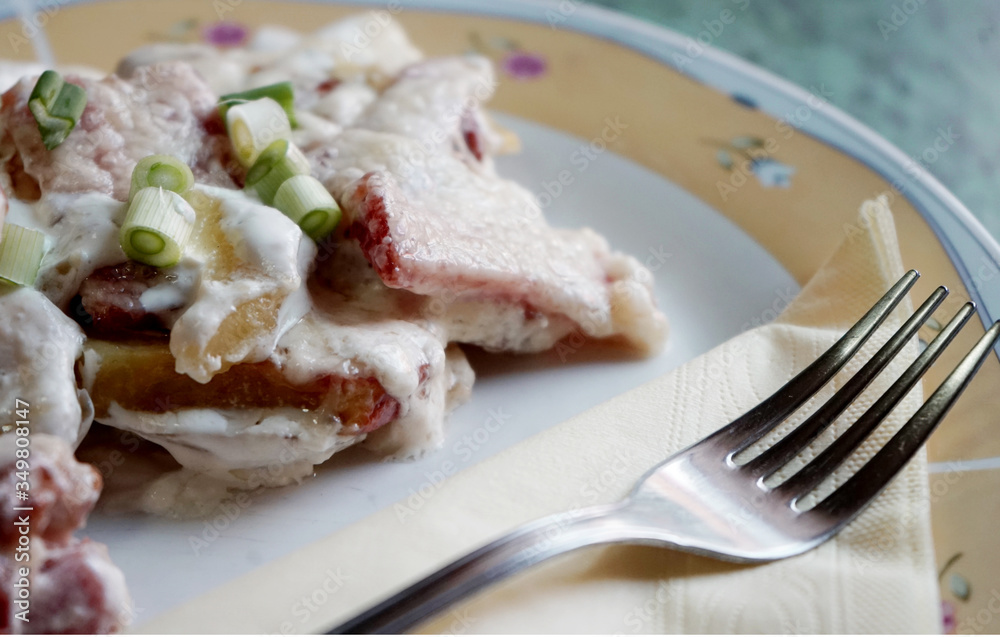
pixel 919 73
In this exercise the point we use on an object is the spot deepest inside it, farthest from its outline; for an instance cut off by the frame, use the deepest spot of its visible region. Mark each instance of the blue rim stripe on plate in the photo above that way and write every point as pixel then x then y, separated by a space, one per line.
pixel 969 246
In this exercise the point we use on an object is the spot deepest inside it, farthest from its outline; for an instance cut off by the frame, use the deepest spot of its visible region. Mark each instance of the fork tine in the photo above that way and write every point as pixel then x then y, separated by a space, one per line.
pixel 751 426
pixel 788 447
pixel 848 499
pixel 807 478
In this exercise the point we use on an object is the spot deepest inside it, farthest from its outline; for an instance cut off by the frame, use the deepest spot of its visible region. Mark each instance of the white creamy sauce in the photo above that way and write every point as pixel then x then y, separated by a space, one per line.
pixel 81 236
pixel 243 448
pixel 369 45
pixel 346 103
pixel 420 427
pixel 165 296
pixel 314 131
pixel 428 102
pixel 83 229
pixel 276 256
pixel 169 298
pixel 372 40
pixel 22 213
pixel 39 346
pixel 407 359
pixel 253 447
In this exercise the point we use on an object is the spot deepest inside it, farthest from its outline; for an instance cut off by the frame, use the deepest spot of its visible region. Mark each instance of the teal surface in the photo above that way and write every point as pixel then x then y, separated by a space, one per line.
pixel 924 74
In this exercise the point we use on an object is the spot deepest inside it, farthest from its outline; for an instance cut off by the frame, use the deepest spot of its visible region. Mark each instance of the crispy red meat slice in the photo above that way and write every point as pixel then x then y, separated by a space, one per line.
pixel 77 590
pixel 73 587
pixel 163 109
pixel 438 102
pixel 443 230
pixel 433 218
pixel 62 491
pixel 111 296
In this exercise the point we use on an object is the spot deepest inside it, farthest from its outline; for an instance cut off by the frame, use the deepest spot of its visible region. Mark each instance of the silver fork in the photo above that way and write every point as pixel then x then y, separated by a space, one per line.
pixel 702 501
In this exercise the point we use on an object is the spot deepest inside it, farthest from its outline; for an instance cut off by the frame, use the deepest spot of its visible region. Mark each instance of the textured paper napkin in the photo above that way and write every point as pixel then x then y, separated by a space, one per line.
pixel 877 576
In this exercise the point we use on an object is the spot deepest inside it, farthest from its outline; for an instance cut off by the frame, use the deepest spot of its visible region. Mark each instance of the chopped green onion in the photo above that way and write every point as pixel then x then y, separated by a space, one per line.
pixel 47 88
pixel 282 93
pixel 307 202
pixel 57 106
pixel 157 227
pixel 21 252
pixel 161 171
pixel 279 161
pixel 70 102
pixel 254 125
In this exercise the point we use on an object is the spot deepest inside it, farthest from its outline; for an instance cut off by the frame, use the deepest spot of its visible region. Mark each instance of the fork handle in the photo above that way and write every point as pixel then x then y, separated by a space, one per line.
pixel 519 549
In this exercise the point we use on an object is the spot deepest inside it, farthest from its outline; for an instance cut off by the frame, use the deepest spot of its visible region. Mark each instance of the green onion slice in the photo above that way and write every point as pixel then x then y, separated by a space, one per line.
pixel 282 93
pixel 307 202
pixel 57 106
pixel 47 88
pixel 161 171
pixel 279 161
pixel 21 252
pixel 157 227
pixel 254 125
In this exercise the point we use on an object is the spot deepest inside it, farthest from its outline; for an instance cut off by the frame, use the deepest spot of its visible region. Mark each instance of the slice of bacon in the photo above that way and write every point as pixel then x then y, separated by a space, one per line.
pixel 72 584
pixel 62 491
pixel 111 297
pixel 441 229
pixel 439 102
pixel 163 108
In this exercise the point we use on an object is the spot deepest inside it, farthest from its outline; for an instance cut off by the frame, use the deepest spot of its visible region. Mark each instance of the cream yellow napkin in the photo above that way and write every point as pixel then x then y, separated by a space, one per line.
pixel 876 576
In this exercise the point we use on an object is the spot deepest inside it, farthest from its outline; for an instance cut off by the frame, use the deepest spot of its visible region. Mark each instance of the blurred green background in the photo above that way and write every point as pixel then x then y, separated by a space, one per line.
pixel 904 68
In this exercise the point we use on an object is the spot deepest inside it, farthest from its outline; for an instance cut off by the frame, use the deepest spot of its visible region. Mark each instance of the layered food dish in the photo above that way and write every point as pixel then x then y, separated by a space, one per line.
pixel 257 257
